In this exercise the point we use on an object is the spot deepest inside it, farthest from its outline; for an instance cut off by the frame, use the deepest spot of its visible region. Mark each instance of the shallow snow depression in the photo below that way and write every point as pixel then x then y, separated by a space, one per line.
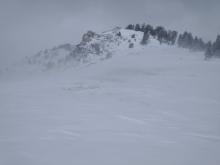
pixel 149 105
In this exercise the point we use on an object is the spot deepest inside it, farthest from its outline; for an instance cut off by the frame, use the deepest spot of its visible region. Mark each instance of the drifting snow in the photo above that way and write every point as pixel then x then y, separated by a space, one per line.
pixel 152 105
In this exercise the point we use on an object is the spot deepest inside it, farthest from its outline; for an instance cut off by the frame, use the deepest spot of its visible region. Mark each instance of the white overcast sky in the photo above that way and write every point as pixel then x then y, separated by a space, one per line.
pixel 26 26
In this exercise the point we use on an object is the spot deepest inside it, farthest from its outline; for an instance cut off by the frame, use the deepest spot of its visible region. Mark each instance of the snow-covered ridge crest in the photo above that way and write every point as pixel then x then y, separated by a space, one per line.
pixel 92 47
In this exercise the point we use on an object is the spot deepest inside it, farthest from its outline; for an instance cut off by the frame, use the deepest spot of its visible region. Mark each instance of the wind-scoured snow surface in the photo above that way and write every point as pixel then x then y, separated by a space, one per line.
pixel 153 104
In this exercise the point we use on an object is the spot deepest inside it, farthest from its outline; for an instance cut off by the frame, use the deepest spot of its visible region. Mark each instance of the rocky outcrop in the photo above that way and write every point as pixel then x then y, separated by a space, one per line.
pixel 92 47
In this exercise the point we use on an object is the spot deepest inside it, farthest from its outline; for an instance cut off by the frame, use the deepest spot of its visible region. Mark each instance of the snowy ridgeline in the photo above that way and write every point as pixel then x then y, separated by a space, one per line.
pixel 93 47
pixel 118 41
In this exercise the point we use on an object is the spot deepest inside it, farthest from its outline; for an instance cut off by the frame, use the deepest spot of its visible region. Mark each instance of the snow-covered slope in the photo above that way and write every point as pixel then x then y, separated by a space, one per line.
pixel 152 104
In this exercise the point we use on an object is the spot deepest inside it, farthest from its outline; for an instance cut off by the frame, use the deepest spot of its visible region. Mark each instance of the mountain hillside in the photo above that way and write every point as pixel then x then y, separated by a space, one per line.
pixel 148 104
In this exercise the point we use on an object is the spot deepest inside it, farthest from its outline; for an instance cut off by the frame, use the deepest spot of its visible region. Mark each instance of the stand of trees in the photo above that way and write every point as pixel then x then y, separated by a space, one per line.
pixel 213 49
pixel 185 40
pixel 160 33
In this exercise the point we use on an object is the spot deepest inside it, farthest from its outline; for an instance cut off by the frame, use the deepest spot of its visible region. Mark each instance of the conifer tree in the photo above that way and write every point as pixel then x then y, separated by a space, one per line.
pixel 145 38
pixel 209 50
pixel 137 27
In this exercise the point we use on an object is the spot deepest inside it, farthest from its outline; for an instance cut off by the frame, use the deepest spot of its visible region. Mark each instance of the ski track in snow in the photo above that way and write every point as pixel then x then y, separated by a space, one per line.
pixel 130 119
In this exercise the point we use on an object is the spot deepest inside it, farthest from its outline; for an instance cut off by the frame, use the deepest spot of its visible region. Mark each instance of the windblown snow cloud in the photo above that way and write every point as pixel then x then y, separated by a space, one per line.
pixel 28 26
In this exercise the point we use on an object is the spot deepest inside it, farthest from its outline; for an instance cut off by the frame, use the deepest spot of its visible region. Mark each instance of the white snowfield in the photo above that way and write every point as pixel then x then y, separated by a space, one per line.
pixel 150 105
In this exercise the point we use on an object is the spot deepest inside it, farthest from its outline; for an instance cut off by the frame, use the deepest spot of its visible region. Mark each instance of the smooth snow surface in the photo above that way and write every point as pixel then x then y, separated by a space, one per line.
pixel 152 105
